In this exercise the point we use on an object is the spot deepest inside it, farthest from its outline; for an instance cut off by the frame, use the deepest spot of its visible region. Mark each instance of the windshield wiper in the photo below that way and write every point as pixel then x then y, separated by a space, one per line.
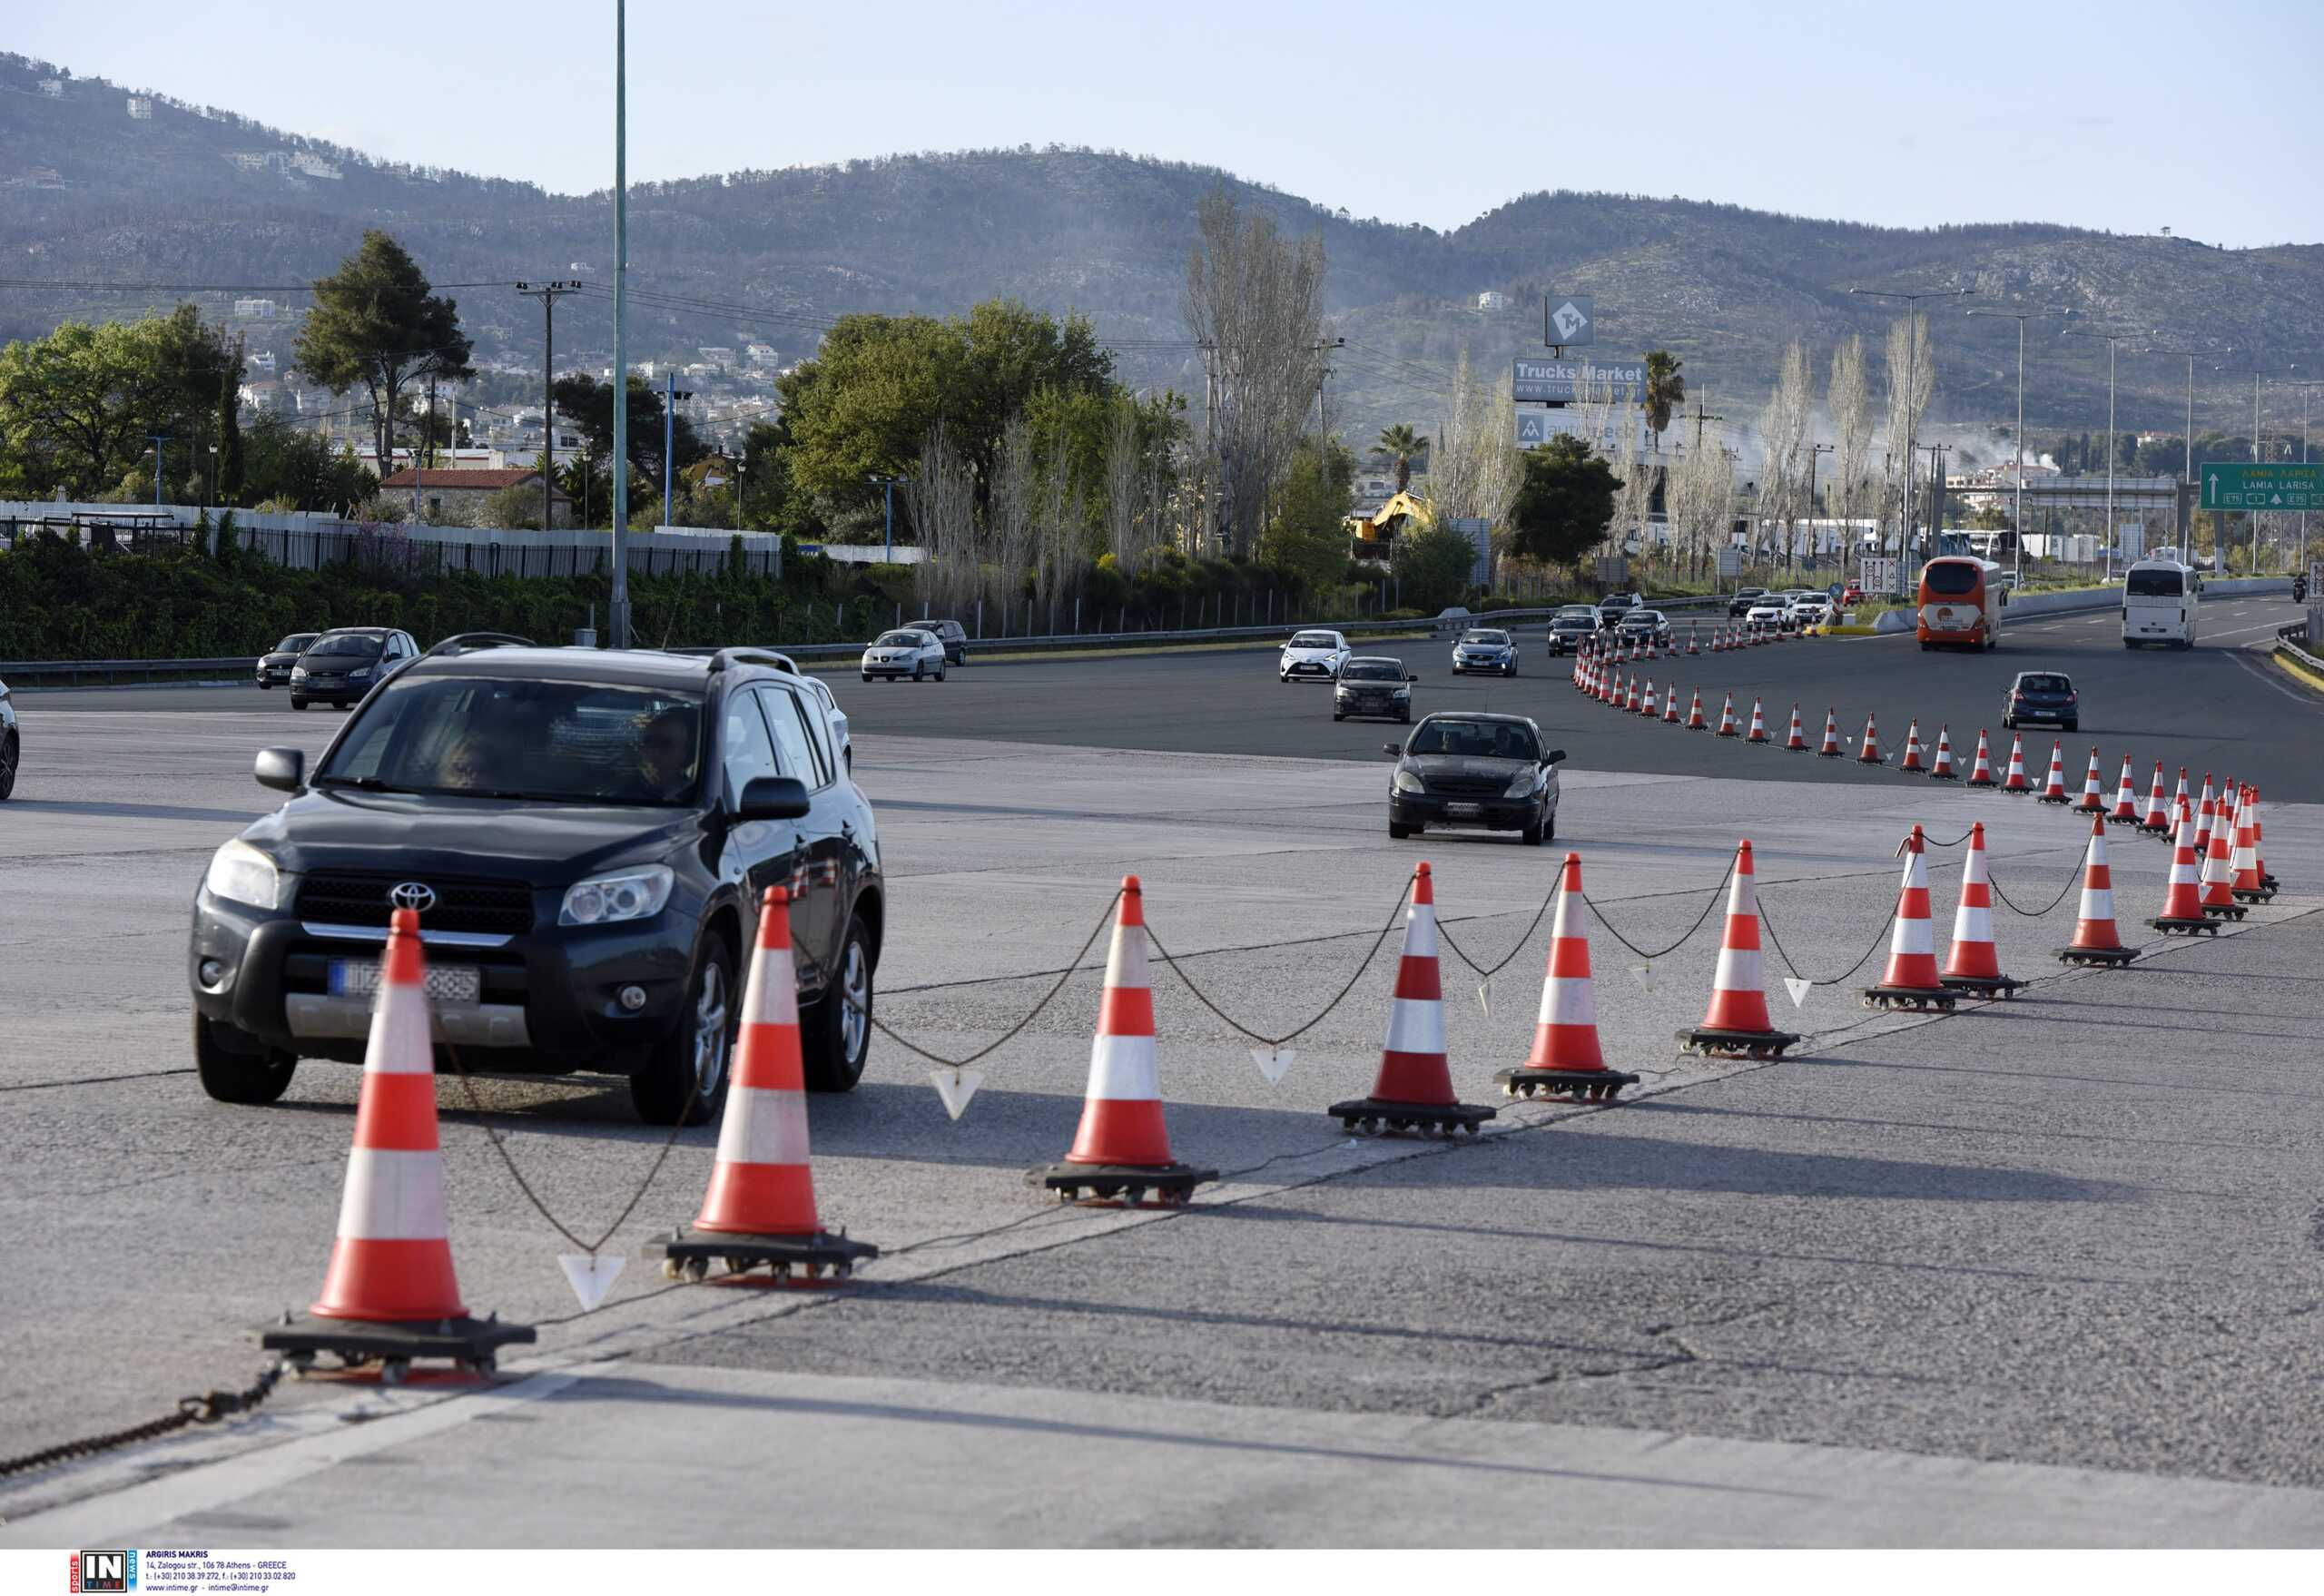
pixel 368 784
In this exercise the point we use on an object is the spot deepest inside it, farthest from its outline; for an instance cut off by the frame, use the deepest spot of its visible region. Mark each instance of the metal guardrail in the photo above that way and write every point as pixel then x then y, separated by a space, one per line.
pixel 111 671
pixel 2292 640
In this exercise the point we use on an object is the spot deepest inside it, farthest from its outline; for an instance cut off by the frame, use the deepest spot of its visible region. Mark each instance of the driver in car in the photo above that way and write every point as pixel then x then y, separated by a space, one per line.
pixel 665 755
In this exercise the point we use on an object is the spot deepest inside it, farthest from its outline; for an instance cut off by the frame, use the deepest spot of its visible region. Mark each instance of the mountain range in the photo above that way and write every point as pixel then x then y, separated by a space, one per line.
pixel 102 186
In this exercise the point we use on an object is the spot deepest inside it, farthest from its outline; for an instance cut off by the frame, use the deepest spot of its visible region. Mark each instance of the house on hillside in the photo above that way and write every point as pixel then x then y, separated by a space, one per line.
pixel 141 108
pixel 1492 299
pixel 53 87
pixel 458 498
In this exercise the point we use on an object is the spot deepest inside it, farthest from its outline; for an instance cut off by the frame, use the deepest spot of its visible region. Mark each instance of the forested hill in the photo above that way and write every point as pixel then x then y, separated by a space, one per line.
pixel 192 195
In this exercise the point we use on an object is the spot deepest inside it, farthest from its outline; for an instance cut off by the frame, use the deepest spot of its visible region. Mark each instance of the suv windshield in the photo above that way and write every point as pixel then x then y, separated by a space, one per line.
pixel 353 643
pixel 900 640
pixel 1474 739
pixel 559 742
pixel 1372 670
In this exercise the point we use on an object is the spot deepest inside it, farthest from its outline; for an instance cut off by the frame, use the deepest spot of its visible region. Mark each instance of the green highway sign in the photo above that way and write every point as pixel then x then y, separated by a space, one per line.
pixel 2246 487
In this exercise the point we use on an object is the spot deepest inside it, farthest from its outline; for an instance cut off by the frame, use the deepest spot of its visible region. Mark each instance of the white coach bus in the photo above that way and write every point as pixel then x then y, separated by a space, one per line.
pixel 2159 599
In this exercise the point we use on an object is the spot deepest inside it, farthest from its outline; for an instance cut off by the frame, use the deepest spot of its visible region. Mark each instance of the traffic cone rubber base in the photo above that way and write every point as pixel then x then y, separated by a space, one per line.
pixel 2060 799
pixel 2131 821
pixel 2263 893
pixel 1581 1086
pixel 1373 1117
pixel 2169 924
pixel 2104 958
pixel 1130 1185
pixel 1916 997
pixel 1758 1044
pixel 1984 986
pixel 789 1260
pixel 2225 910
pixel 471 1344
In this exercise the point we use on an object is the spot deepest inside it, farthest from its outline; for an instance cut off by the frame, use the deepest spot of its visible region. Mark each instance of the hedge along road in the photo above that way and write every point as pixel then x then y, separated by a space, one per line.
pixel 2221 708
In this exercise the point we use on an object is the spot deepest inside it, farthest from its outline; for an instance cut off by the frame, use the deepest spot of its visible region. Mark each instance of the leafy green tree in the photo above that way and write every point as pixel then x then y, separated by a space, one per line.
pixel 1403 445
pixel 77 407
pixel 377 325
pixel 1565 502
pixel 1307 538
pixel 297 470
pixel 1432 567
pixel 587 404
pixel 1666 390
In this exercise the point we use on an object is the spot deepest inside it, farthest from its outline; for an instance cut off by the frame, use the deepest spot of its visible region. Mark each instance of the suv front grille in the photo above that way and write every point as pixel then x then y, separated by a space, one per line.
pixel 360 898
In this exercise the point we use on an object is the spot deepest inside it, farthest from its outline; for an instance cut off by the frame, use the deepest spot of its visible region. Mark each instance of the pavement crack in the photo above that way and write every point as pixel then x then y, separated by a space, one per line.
pixel 1682 1353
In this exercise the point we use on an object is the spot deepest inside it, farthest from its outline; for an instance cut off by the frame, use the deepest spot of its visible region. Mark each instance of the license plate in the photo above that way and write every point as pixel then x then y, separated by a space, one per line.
pixel 1465 810
pixel 447 983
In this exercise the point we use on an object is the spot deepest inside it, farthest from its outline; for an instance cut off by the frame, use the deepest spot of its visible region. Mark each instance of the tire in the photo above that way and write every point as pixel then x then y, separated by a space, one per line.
pixel 266 686
pixel 1405 718
pixel 939 672
pixel 1550 826
pixel 1337 716
pixel 915 670
pixel 8 752
pixel 242 1070
pixel 835 1038
pixel 1531 836
pixel 867 675
pixel 297 702
pixel 1398 832
pixel 2074 725
pixel 671 1089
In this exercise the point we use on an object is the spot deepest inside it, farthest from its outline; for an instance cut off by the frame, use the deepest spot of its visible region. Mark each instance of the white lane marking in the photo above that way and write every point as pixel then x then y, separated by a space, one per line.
pixel 2268 674
pixel 206 1487
pixel 2245 631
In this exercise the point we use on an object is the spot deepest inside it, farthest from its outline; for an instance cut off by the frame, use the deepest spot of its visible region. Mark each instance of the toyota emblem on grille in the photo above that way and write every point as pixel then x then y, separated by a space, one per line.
pixel 417 896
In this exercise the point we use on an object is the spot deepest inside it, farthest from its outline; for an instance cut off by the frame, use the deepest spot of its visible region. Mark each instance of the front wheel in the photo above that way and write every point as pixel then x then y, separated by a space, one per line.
pixel 1398 832
pixel 8 765
pixel 2074 725
pixel 684 1078
pixel 237 1068
pixel 1531 836
pixel 835 1032
pixel 1337 716
pixel 297 702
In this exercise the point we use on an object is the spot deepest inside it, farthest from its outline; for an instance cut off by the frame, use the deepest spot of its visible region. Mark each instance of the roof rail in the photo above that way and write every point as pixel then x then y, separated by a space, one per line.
pixel 461 643
pixel 764 657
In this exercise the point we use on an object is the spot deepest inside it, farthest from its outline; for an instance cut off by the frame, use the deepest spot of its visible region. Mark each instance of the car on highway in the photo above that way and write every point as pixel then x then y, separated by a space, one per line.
pixel 1791 598
pixel 1614 606
pixel 11 745
pixel 1851 593
pixel 2160 604
pixel 1312 656
pixel 1486 649
pixel 952 636
pixel 587 835
pixel 1740 607
pixel 273 669
pixel 1571 627
pixel 908 651
pixel 1766 615
pixel 1374 687
pixel 1644 625
pixel 347 662
pixel 1813 610
pixel 1466 771
pixel 2041 695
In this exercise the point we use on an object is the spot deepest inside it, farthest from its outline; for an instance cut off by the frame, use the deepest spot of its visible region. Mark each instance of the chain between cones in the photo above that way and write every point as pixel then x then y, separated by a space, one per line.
pixel 209 1408
pixel 1275 1042
pixel 1615 932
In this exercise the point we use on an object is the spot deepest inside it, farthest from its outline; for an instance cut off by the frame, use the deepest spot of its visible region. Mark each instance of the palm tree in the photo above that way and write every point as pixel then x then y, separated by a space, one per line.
pixel 1400 443
pixel 1666 390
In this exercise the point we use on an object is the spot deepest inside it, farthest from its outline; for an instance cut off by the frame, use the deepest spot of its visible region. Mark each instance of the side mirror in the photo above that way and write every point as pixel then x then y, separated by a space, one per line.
pixel 1394 749
pixel 771 798
pixel 1556 756
pixel 1412 675
pixel 282 769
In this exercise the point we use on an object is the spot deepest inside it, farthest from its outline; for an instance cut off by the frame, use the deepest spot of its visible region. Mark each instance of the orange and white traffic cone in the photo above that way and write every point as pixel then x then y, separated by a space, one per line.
pixel 1942 769
pixel 1630 703
pixel 1912 760
pixel 1414 1091
pixel 2156 821
pixel 1737 1020
pixel 1981 772
pixel 1695 722
pixel 2053 791
pixel 2247 887
pixel 2206 816
pixel 1654 706
pixel 1670 707
pixel 2183 902
pixel 1121 1150
pixel 1830 747
pixel 1758 732
pixel 1911 981
pixel 759 1208
pixel 1727 718
pixel 2125 812
pixel 1566 1057
pixel 1869 753
pixel 2015 782
pixel 2093 801
pixel 1974 963
pixel 1691 648
pixel 2259 844
pixel 1795 741
pixel 2179 800
pixel 390 1293
pixel 2095 939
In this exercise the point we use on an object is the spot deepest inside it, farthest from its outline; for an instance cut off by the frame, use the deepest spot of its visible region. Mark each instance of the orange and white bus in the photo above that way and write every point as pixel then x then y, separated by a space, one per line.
pixel 1960 603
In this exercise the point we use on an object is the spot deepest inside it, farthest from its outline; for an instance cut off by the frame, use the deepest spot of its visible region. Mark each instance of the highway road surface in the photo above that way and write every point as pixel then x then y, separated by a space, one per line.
pixel 2047 1272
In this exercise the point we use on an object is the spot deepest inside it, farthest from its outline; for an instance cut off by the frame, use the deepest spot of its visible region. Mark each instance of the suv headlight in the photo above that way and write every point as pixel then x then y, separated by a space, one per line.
pixel 622 895
pixel 244 874
pixel 1407 782
pixel 1522 788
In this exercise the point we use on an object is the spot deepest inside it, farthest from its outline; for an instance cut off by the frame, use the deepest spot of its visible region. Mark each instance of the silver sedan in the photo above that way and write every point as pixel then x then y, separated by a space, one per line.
pixel 906 652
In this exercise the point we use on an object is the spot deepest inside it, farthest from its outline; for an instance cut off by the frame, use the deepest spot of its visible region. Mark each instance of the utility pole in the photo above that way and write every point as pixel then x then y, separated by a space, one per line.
pixel 1815 449
pixel 159 439
pixel 888 486
pixel 2113 440
pixel 1323 427
pixel 1698 418
pixel 617 616
pixel 2307 389
pixel 671 395
pixel 2017 515
pixel 419 450
pixel 548 293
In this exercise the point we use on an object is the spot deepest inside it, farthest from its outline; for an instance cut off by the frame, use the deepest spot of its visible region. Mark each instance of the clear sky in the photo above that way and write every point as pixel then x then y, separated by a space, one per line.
pixel 2127 115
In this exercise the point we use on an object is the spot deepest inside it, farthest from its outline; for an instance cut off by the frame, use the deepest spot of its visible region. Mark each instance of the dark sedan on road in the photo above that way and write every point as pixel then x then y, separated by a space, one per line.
pixel 587 836
pixel 2041 695
pixel 1570 628
pixel 275 664
pixel 344 664
pixel 1372 687
pixel 1740 605
pixel 1644 625
pixel 1471 772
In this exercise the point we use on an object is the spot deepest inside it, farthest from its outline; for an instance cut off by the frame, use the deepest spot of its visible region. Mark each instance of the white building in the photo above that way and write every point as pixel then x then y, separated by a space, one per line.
pixel 141 108
pixel 313 165
pixel 1492 299
pixel 759 354
pixel 718 356
pixel 53 87
pixel 254 309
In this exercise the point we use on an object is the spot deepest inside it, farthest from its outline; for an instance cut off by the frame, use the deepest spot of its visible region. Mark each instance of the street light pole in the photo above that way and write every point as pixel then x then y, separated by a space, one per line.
pixel 547 294
pixel 617 616
pixel 1911 382
pixel 159 439
pixel 888 486
pixel 2113 442
pixel 2017 516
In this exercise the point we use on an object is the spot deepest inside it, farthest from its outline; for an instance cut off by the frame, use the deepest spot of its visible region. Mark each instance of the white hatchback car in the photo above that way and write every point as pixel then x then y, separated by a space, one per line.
pixel 905 651
pixel 1766 617
pixel 1312 656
